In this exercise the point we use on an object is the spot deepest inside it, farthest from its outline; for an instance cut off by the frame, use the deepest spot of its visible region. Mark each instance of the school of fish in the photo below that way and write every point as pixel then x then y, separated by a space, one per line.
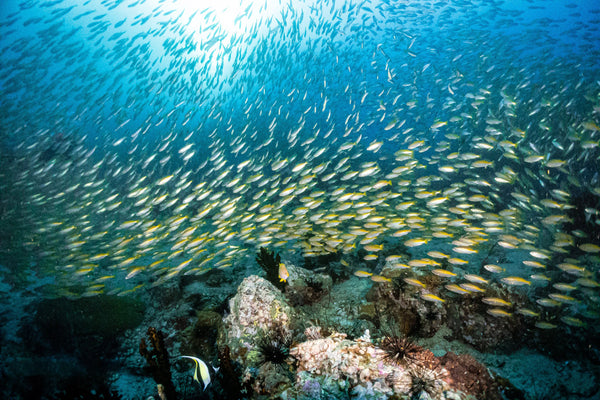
pixel 140 146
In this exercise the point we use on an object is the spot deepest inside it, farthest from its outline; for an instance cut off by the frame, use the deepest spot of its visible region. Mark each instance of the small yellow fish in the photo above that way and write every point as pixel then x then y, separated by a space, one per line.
pixel 380 279
pixel 475 279
pixel 498 312
pixel 438 124
pixel 363 274
pixel 374 247
pixel 572 321
pixel 431 297
pixel 545 302
pixel 495 301
pixel 283 273
pixel 527 312
pixel 564 287
pixel 134 272
pixel 495 269
pixel 587 282
pixel 539 277
pixel 534 264
pixel 443 273
pixel 563 298
pixel 437 254
pixel 515 281
pixel 436 201
pixel 589 248
pixel 464 250
pixel 572 269
pixel 415 242
pixel 471 288
pixel 414 282
pixel 544 325
pixel 456 289
pixel 422 262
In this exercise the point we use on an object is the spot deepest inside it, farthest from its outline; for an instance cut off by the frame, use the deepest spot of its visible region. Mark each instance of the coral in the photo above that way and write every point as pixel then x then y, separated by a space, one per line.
pixel 311 388
pixel 158 362
pixel 271 379
pixel 357 362
pixel 469 376
pixel 260 316
pixel 269 262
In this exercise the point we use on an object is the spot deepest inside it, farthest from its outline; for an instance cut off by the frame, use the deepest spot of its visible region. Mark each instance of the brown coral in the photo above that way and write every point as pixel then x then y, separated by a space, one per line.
pixel 466 374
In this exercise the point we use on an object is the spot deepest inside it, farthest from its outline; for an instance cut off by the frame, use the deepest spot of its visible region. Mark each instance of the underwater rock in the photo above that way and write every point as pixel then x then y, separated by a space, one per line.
pixel 412 315
pixel 201 338
pixel 470 323
pixel 258 331
pixel 257 309
pixel 305 286
pixel 87 326
pixel 271 379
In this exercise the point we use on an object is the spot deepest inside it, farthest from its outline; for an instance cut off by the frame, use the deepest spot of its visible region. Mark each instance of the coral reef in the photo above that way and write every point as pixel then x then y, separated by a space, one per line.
pixel 424 380
pixel 257 307
pixel 262 325
pixel 350 363
pixel 158 363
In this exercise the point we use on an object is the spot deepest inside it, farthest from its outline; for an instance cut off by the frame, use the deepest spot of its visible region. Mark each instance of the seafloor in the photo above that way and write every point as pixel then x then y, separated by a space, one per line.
pixel 323 334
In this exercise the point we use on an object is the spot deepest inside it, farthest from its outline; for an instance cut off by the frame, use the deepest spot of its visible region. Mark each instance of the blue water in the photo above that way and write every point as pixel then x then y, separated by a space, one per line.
pixel 139 145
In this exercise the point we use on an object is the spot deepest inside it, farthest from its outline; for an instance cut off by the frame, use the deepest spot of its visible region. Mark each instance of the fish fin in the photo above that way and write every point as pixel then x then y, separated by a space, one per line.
pixel 197 362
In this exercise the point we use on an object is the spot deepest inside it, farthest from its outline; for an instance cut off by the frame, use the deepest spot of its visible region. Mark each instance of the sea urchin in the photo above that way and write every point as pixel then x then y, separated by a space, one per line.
pixel 399 350
pixel 274 348
pixel 425 380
